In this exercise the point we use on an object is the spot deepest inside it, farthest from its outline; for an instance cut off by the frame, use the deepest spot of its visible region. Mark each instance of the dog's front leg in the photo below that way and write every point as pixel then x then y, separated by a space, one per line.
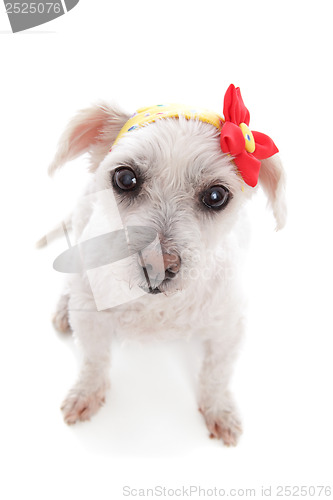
pixel 215 401
pixel 93 331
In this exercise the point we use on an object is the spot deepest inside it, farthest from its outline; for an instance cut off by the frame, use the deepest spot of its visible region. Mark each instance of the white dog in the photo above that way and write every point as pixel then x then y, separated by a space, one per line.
pixel 179 178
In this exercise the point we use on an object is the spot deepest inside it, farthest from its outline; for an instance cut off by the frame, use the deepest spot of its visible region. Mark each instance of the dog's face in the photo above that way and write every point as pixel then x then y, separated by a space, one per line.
pixel 172 177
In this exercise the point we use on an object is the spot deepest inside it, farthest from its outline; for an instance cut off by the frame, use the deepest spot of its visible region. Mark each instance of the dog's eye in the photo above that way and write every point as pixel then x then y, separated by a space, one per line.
pixel 125 179
pixel 216 197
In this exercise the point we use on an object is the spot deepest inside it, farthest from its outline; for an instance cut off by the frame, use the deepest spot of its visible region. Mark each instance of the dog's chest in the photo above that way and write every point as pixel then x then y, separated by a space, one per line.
pixel 158 317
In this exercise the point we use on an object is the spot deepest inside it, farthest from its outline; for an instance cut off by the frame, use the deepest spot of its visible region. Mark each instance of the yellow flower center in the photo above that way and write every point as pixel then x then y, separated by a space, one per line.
pixel 250 145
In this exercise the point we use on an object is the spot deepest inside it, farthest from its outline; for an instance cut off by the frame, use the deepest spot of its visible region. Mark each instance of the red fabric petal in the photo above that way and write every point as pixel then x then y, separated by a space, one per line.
pixel 248 167
pixel 234 109
pixel 265 147
pixel 232 139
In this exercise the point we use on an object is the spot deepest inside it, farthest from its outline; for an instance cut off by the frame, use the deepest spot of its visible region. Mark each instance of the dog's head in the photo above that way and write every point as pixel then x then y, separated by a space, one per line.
pixel 171 176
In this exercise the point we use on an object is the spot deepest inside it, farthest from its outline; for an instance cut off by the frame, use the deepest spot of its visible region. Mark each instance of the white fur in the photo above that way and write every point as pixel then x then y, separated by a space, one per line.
pixel 178 158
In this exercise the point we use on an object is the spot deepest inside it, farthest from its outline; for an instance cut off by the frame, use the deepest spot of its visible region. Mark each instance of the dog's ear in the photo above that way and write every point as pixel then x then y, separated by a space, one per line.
pixel 272 178
pixel 92 130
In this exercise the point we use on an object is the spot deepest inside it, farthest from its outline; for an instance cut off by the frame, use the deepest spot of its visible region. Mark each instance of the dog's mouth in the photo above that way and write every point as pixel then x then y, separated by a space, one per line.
pixel 154 291
pixel 154 287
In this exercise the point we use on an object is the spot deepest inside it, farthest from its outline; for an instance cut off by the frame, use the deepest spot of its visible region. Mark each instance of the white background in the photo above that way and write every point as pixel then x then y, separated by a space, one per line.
pixel 150 432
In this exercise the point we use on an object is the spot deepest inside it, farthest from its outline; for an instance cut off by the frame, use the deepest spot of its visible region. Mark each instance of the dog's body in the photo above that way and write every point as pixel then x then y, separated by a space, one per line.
pixel 175 162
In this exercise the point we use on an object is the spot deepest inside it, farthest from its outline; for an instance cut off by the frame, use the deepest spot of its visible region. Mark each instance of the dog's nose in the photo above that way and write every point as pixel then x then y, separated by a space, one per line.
pixel 171 263
pixel 152 261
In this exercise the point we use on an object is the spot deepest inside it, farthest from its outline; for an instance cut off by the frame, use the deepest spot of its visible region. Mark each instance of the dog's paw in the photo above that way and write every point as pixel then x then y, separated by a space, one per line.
pixel 60 322
pixel 80 406
pixel 223 425
pixel 60 318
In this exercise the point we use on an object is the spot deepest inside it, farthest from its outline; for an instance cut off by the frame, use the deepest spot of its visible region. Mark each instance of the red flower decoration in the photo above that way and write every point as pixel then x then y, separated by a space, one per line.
pixel 247 147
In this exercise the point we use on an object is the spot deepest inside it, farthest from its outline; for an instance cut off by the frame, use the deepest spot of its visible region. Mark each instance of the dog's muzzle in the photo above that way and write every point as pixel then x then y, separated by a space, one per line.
pixel 158 268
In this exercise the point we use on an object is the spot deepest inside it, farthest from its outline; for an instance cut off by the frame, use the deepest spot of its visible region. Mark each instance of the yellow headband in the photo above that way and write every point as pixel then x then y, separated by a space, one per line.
pixel 144 116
